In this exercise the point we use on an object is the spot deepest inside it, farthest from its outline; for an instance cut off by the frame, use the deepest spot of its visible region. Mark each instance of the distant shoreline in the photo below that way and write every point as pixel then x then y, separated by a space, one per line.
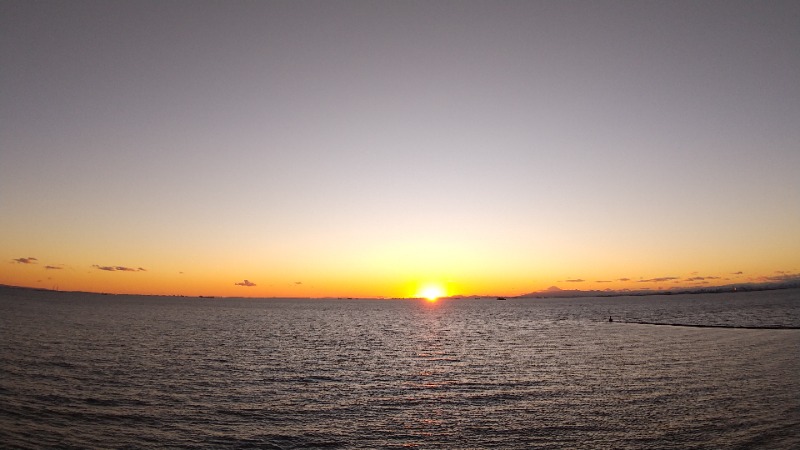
pixel 725 289
pixel 543 295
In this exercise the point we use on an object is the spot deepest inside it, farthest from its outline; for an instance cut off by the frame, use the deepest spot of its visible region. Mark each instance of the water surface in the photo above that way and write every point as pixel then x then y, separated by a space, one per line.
pixel 91 371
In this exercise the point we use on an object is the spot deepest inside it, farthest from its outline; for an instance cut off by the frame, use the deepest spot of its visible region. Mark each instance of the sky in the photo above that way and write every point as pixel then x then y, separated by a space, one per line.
pixel 375 148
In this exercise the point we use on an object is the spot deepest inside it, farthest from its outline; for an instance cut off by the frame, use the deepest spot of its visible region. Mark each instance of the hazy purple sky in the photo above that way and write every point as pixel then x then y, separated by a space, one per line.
pixel 554 139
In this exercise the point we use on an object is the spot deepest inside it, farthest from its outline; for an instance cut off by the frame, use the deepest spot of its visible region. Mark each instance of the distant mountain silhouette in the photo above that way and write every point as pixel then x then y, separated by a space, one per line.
pixel 556 292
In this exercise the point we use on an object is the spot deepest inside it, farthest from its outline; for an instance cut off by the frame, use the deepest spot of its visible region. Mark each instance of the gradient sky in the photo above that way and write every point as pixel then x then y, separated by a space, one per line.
pixel 370 148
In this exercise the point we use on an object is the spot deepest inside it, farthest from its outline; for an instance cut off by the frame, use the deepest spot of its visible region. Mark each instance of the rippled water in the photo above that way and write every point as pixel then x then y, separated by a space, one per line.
pixel 79 370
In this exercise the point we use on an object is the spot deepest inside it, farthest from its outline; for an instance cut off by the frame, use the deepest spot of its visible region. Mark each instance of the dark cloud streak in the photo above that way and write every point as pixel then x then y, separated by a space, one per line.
pixel 782 276
pixel 658 280
pixel 28 260
pixel 701 278
pixel 118 268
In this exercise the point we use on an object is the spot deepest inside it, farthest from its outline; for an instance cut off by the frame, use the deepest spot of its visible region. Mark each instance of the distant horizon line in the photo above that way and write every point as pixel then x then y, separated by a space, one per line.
pixel 552 292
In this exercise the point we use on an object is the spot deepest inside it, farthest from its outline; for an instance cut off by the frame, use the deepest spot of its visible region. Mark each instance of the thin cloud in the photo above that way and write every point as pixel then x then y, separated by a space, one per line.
pixel 623 279
pixel 245 283
pixel 53 267
pixel 782 276
pixel 575 280
pixel 658 280
pixel 603 281
pixel 738 273
pixel 118 268
pixel 298 282
pixel 28 260
pixel 692 279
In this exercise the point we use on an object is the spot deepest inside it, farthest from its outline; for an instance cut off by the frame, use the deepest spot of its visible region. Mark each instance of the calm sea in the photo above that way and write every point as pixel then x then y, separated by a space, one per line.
pixel 92 371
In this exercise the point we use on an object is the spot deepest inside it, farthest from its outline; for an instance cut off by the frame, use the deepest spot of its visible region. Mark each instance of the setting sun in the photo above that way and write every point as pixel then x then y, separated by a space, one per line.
pixel 431 292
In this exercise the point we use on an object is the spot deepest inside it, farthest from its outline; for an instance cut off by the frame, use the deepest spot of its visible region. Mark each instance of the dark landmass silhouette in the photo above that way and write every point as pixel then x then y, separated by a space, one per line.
pixel 551 292
pixel 741 327
pixel 555 292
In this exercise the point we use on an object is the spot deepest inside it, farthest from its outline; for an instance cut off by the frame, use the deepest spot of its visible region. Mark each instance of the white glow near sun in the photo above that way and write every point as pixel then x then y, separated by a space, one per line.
pixel 431 292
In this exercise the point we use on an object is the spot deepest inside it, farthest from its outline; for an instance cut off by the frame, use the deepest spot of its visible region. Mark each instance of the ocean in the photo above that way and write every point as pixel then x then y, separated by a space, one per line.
pixel 120 371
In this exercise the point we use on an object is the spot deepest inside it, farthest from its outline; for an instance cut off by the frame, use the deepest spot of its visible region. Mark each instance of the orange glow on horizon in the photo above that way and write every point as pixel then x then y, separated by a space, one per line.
pixel 263 278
